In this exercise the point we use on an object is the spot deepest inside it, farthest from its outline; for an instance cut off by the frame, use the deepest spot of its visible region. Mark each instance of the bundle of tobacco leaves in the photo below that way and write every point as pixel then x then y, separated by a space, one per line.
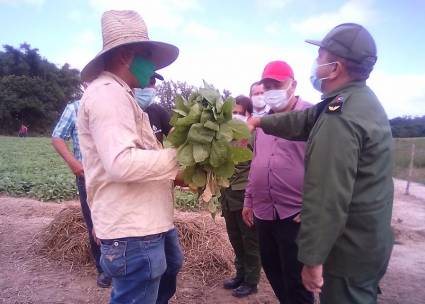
pixel 208 142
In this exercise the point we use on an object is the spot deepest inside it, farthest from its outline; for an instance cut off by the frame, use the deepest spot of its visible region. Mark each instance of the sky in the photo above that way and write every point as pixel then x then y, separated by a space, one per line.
pixel 228 43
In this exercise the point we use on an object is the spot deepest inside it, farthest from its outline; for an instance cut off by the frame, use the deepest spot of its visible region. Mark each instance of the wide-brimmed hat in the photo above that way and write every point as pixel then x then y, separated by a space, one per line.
pixel 126 28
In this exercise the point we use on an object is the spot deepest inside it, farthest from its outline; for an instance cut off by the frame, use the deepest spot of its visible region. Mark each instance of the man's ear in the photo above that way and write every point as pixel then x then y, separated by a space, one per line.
pixel 337 70
pixel 125 56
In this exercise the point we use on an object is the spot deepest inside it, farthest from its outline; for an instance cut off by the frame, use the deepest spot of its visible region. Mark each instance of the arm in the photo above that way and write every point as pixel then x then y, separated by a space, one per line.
pixel 332 159
pixel 63 150
pixel 113 128
pixel 290 125
pixel 62 132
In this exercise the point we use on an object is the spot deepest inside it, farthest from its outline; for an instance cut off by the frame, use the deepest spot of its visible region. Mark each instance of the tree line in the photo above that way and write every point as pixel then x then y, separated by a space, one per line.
pixel 34 92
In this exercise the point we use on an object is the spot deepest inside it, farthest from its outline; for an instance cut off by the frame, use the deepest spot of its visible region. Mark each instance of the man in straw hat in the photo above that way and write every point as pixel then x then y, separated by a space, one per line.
pixel 129 176
pixel 345 240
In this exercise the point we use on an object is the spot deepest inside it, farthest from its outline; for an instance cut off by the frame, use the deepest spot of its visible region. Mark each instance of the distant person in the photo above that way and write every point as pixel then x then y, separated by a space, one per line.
pixel 65 129
pixel 159 118
pixel 256 93
pixel 244 239
pixel 23 131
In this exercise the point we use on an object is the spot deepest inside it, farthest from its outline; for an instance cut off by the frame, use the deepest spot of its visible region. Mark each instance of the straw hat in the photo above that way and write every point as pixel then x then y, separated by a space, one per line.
pixel 123 28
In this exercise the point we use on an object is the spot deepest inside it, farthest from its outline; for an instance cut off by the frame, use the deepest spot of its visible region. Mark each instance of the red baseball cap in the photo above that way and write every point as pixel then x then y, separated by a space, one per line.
pixel 277 70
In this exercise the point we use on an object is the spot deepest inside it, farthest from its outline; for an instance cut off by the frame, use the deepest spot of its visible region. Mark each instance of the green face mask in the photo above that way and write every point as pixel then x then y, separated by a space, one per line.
pixel 142 69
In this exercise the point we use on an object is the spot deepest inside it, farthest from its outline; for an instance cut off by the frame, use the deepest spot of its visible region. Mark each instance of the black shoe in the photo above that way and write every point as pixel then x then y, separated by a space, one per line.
pixel 244 290
pixel 103 281
pixel 232 283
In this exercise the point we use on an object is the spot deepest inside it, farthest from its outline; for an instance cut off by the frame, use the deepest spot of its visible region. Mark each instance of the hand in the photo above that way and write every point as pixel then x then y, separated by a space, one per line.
pixel 297 219
pixel 312 277
pixel 179 181
pixel 248 216
pixel 77 168
pixel 253 123
pixel 93 233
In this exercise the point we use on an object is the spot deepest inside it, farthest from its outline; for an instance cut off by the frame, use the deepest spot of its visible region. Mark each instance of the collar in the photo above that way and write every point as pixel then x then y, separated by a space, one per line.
pixel 344 88
pixel 118 80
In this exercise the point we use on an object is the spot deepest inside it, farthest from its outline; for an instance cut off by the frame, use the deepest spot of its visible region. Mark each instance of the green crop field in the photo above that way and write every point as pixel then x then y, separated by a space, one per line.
pixel 29 167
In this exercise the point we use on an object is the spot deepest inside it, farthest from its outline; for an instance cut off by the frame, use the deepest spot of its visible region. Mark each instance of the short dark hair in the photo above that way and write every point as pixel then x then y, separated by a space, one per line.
pixel 252 85
pixel 245 103
pixel 355 70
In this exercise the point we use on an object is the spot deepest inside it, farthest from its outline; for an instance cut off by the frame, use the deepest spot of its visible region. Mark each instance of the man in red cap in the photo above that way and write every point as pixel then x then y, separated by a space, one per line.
pixel 274 192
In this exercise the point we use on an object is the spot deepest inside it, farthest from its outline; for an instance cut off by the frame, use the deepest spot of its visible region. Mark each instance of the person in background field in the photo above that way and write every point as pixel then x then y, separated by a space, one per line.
pixel 23 131
pixel 65 129
pixel 256 93
pixel 129 176
pixel 244 239
pixel 345 240
pixel 159 118
pixel 273 195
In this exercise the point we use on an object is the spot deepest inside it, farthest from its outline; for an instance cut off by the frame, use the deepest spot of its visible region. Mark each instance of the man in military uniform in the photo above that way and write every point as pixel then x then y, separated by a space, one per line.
pixel 244 239
pixel 345 240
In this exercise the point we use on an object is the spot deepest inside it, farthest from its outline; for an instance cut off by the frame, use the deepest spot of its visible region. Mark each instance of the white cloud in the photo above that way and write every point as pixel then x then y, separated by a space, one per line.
pixel 198 31
pixel 272 4
pixel 166 14
pixel 18 2
pixel 358 11
pixel 402 94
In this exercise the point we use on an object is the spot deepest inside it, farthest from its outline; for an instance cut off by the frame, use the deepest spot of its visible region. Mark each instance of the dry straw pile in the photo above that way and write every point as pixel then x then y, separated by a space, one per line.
pixel 208 255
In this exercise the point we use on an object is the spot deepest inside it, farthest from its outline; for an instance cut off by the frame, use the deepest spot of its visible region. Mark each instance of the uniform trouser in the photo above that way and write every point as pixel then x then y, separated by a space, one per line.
pixel 244 241
pixel 345 290
pixel 94 248
pixel 279 252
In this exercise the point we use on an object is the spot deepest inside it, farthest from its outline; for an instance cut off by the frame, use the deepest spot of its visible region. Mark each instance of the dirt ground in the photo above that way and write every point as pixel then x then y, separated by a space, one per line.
pixel 26 277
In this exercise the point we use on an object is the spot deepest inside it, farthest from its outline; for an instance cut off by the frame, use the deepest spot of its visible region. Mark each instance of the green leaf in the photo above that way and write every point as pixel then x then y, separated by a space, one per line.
pixel 180 104
pixel 178 136
pixel 199 178
pixel 212 125
pixel 240 129
pixel 199 134
pixel 185 155
pixel 226 170
pixel 188 174
pixel 219 153
pixel 225 132
pixel 228 108
pixel 219 104
pixel 206 115
pixel 181 112
pixel 193 116
pixel 211 95
pixel 240 154
pixel 201 152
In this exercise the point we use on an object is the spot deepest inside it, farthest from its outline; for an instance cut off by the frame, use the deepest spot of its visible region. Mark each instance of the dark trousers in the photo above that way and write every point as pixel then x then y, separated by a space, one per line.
pixel 244 241
pixel 95 249
pixel 279 251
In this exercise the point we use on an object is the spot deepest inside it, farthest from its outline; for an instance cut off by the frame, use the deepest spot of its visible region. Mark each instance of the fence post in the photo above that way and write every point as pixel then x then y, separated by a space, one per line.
pixel 409 178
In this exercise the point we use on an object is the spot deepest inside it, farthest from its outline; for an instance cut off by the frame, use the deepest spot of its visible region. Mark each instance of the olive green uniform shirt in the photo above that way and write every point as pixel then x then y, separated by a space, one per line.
pixel 348 186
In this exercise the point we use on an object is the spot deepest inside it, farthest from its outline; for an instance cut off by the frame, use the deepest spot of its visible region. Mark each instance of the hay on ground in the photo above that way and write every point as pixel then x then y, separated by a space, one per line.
pixel 207 252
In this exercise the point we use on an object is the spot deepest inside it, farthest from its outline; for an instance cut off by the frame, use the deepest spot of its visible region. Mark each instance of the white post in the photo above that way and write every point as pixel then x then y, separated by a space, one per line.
pixel 409 178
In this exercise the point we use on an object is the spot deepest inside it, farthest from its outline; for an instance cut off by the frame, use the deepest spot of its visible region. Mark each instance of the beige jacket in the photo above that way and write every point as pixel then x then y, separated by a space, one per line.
pixel 129 176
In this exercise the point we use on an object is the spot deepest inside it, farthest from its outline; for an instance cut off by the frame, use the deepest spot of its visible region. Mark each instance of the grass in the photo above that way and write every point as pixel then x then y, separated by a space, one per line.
pixel 29 167
pixel 403 148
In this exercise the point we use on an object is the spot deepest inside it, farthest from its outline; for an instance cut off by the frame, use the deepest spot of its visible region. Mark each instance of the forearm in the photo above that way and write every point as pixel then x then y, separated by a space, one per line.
pixel 62 148
pixel 290 125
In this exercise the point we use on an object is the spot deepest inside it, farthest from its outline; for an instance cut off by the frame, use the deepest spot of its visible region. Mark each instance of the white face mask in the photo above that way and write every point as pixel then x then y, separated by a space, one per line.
pixel 240 117
pixel 144 97
pixel 258 101
pixel 277 99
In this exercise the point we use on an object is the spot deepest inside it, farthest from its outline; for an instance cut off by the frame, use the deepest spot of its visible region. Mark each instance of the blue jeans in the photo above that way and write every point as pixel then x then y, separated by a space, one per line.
pixel 143 270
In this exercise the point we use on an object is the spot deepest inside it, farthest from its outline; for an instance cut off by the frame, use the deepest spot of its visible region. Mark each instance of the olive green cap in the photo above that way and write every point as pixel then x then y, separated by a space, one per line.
pixel 350 41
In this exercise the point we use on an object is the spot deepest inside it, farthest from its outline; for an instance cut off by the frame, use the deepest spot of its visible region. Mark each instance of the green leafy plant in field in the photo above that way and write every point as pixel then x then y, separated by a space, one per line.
pixel 205 134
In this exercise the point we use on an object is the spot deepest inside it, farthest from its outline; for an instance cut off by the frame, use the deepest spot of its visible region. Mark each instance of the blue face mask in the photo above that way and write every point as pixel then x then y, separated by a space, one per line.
pixel 314 79
pixel 144 97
